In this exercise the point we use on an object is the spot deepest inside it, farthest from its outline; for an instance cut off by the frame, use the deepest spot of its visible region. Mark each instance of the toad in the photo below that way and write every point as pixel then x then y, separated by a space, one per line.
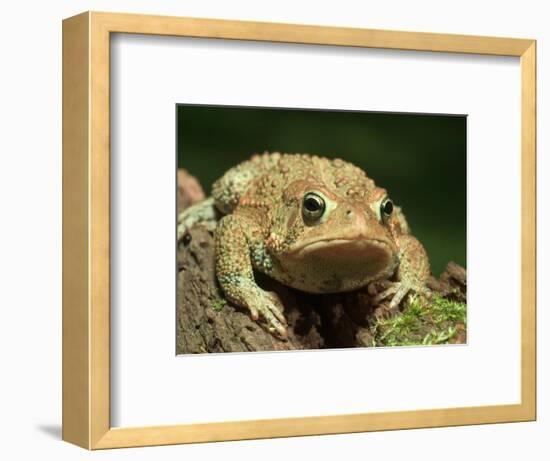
pixel 314 224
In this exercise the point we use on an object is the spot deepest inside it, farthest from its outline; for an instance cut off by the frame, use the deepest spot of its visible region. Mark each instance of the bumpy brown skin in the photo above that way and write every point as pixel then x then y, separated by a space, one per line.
pixel 267 227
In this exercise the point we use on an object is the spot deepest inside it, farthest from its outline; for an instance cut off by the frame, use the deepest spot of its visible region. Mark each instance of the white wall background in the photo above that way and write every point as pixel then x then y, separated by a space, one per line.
pixel 30 232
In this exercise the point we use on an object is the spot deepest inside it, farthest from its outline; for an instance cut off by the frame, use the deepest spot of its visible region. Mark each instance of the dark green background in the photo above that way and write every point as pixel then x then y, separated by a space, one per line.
pixel 420 159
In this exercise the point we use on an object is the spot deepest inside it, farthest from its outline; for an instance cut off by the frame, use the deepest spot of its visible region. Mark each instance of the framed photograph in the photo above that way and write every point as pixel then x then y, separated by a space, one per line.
pixel 276 230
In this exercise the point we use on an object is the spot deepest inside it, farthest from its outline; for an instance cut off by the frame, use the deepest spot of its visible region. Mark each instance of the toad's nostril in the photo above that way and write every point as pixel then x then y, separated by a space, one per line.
pixel 349 213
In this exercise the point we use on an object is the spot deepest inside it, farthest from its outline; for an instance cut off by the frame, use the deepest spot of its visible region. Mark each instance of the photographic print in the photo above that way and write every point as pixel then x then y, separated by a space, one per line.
pixel 314 229
pixel 293 223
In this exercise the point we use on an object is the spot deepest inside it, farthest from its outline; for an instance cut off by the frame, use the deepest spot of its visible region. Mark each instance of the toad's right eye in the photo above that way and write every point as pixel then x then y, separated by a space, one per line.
pixel 313 207
pixel 386 209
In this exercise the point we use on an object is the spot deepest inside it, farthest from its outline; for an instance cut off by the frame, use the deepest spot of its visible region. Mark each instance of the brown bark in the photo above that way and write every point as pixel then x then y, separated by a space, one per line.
pixel 189 190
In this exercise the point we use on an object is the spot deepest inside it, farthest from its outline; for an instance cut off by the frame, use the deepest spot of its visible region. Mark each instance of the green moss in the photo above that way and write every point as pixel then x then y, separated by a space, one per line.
pixel 219 304
pixel 436 321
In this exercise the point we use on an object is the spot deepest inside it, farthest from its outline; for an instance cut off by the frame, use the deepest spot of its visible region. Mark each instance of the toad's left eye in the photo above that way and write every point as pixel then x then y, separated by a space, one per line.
pixel 386 208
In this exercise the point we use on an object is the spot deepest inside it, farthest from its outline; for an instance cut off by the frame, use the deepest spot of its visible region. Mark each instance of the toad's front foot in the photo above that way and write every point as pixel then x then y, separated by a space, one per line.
pixel 269 307
pixel 397 291
pixel 264 305
pixel 411 275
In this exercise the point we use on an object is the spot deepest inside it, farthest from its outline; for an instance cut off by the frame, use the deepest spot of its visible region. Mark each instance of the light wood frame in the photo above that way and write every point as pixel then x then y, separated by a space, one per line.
pixel 86 257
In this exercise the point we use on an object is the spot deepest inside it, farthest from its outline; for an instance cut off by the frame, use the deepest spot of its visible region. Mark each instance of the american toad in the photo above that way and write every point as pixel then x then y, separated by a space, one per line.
pixel 315 224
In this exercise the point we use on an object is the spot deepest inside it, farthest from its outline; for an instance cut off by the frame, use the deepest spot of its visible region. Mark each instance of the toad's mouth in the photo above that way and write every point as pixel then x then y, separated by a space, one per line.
pixel 347 250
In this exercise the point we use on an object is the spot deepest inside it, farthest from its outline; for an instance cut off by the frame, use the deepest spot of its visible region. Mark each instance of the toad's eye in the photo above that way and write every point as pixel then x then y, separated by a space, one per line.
pixel 386 208
pixel 313 206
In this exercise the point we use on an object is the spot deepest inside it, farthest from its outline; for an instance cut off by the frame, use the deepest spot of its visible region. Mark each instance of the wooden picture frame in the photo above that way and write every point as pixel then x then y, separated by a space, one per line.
pixel 86 230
